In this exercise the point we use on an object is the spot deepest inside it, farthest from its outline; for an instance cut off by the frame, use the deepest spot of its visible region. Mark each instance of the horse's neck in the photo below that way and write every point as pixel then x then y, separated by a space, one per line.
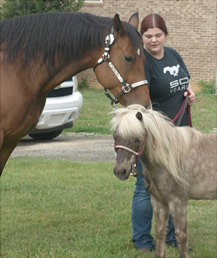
pixel 156 178
pixel 49 77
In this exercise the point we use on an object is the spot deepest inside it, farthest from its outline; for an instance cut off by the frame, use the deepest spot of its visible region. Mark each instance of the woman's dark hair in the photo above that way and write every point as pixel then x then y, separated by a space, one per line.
pixel 153 21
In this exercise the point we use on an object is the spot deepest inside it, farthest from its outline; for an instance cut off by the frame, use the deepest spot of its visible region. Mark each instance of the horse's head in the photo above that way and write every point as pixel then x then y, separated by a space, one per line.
pixel 128 148
pixel 121 68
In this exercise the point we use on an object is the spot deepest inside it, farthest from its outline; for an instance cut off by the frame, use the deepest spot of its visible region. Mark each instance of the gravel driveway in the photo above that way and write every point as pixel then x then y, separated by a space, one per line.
pixel 76 147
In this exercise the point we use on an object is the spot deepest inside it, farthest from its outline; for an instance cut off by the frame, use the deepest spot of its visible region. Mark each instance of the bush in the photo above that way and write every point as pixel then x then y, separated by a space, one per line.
pixel 83 84
pixel 14 8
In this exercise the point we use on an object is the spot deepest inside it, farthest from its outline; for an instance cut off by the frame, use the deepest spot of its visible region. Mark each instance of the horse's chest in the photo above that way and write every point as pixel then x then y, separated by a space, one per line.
pixel 32 115
pixel 24 115
pixel 162 186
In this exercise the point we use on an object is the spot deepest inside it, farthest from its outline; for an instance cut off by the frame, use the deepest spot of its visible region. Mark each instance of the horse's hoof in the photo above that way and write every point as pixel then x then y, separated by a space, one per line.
pixel 189 248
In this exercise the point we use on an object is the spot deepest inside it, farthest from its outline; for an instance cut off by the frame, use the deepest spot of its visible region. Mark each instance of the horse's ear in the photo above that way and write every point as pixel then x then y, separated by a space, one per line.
pixel 134 20
pixel 118 25
pixel 139 115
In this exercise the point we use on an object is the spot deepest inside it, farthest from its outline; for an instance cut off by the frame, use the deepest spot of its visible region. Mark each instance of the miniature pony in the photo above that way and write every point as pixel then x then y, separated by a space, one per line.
pixel 179 164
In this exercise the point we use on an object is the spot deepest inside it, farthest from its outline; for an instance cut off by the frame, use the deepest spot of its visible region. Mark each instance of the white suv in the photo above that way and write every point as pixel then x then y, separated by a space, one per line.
pixel 62 107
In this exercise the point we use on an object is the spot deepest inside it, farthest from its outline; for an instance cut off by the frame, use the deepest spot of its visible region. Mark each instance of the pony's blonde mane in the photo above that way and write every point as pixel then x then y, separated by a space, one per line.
pixel 166 145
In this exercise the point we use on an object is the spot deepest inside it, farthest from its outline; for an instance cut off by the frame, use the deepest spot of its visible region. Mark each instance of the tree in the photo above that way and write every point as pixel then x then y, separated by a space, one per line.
pixel 14 8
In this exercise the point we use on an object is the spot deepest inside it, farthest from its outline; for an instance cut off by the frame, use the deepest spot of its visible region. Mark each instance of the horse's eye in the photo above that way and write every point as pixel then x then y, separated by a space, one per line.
pixel 129 59
pixel 137 140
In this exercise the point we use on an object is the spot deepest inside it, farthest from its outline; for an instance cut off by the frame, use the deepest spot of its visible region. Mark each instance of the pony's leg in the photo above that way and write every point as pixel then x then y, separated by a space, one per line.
pixel 179 213
pixel 161 213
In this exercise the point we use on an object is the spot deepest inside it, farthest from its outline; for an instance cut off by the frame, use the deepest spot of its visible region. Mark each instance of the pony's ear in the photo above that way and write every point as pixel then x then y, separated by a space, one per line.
pixel 139 115
pixel 134 20
pixel 118 25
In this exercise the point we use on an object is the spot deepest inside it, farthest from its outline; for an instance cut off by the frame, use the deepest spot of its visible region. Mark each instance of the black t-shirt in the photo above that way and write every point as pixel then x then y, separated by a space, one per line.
pixel 168 78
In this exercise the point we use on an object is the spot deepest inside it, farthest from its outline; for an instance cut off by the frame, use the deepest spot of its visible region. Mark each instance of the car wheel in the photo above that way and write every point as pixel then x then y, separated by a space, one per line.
pixel 45 136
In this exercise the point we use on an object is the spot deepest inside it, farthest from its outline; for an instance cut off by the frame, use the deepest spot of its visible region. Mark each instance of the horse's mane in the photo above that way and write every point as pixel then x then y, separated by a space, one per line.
pixel 66 36
pixel 166 145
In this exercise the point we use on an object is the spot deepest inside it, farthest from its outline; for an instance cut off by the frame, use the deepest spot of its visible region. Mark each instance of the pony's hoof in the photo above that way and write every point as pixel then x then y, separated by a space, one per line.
pixel 189 248
pixel 145 250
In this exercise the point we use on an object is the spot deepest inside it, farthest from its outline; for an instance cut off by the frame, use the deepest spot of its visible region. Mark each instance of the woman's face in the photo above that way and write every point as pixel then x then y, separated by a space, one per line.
pixel 154 40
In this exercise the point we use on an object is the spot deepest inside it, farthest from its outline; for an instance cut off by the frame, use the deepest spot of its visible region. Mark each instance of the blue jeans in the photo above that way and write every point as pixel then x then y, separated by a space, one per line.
pixel 142 214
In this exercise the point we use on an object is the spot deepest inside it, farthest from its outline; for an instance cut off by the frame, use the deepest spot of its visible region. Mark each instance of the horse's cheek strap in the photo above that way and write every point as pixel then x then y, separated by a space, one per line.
pixel 115 71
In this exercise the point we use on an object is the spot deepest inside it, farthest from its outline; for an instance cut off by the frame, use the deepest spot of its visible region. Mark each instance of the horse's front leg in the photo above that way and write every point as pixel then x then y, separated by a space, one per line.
pixel 179 213
pixel 161 214
pixel 5 153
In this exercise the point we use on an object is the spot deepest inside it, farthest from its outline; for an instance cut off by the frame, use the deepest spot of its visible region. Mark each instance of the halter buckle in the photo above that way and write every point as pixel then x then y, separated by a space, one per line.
pixel 126 87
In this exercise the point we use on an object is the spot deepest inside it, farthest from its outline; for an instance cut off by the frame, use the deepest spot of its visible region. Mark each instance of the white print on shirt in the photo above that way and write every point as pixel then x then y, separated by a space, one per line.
pixel 173 70
pixel 179 85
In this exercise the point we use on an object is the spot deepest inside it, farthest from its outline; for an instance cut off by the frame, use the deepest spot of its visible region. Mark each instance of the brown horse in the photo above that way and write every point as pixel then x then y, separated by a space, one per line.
pixel 37 52
pixel 179 164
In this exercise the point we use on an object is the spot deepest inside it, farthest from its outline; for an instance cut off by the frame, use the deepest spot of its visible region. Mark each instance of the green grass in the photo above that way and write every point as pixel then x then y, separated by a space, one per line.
pixel 204 112
pixel 54 208
pixel 95 117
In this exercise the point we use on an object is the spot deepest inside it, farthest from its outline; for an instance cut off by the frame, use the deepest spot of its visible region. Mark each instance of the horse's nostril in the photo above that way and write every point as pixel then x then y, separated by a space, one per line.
pixel 121 173
pixel 124 172
pixel 115 171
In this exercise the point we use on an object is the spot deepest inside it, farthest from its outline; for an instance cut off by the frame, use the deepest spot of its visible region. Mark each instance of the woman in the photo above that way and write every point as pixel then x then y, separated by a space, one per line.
pixel 168 80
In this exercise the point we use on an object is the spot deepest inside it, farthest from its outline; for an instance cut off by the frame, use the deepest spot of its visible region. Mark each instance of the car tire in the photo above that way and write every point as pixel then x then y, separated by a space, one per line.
pixel 46 136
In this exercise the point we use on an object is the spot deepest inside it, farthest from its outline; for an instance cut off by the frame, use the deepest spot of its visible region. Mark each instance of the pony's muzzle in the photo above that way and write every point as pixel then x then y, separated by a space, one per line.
pixel 121 173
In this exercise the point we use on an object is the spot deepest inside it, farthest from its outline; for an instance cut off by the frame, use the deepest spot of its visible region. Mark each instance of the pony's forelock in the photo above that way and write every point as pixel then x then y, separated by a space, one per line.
pixel 123 118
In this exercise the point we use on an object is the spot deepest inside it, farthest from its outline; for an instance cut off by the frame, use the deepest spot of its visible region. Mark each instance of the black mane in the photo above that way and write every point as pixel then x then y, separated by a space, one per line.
pixel 65 35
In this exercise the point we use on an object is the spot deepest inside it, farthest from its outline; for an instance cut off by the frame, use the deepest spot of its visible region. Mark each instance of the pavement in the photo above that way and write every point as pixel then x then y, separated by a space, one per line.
pixel 70 146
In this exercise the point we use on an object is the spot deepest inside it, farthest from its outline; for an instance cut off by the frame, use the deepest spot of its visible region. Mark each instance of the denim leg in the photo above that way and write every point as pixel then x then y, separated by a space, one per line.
pixel 142 214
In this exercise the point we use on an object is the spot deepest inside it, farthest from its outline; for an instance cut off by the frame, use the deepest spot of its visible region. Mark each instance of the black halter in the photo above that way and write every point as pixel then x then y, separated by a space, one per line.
pixel 109 40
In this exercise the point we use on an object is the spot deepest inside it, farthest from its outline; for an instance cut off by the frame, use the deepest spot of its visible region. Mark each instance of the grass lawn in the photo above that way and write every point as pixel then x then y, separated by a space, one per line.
pixel 54 208
pixel 95 117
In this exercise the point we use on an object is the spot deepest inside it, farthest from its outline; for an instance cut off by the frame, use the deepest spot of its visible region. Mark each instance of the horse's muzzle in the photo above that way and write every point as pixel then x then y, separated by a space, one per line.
pixel 122 173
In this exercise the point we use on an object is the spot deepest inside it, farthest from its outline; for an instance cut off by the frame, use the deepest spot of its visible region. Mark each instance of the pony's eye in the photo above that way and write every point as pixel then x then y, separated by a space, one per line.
pixel 137 140
pixel 129 59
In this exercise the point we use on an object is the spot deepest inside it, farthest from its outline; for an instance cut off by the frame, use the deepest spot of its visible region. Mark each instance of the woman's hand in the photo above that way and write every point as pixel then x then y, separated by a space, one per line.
pixel 192 96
